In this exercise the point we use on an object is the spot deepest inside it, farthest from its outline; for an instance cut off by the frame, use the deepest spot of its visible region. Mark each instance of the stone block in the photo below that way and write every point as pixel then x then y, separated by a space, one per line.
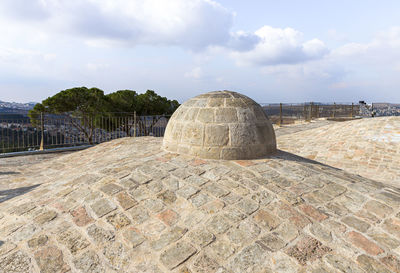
pixel 216 135
pixel 177 254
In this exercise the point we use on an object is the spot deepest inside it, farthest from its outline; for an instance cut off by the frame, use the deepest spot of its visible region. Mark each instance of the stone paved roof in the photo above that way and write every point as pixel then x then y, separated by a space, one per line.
pixel 127 206
pixel 368 147
pixel 220 125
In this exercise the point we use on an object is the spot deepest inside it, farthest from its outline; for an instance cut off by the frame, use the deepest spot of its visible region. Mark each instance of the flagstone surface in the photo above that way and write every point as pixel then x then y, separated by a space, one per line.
pixel 128 206
pixel 367 147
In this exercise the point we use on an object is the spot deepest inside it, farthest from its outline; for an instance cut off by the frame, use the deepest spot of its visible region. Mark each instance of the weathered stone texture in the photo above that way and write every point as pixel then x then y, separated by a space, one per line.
pixel 228 126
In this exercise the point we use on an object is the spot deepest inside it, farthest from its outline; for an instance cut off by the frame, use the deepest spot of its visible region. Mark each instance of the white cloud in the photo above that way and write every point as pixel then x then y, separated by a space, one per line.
pixel 195 73
pixel 281 46
pixel 194 24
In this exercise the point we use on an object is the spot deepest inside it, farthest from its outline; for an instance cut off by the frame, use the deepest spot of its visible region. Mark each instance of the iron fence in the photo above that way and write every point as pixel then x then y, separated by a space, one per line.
pixel 22 133
pixel 286 113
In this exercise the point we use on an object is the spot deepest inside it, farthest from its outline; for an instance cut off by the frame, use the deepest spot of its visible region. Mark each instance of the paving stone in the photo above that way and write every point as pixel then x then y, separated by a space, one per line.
pixel 155 186
pixel 118 220
pixel 103 207
pixel 45 217
pixel 38 241
pixel 196 180
pixel 201 237
pixel 73 240
pixel 263 197
pixel 116 255
pixel 334 189
pixel 362 242
pixel 25 232
pixel 313 212
pixel 213 206
pixel 168 237
pixel 125 201
pixel 218 224
pixel 234 215
pixel 187 191
pixel 365 215
pixel 392 226
pixel 266 220
pixel 89 262
pixel 153 205
pixel 391 262
pixel 50 259
pixel 287 231
pixel 248 258
pixel 205 264
pixel 100 235
pixel 378 208
pixel 177 254
pixel 200 199
pixel 133 237
pixel 17 262
pixel 308 249
pixel 371 265
pixel 385 240
pixel 180 173
pixel 389 198
pixel 215 190
pixel 139 215
pixel 24 208
pixel 111 189
pixel 321 232
pixel 337 209
pixel 6 247
pixel 80 217
pixel 172 183
pixel 140 193
pixel 169 217
pixel 356 223
pixel 140 178
pixel 152 228
pixel 245 232
pixel 247 206
pixel 271 242
pixel 167 197
pixel 341 263
pixel 231 198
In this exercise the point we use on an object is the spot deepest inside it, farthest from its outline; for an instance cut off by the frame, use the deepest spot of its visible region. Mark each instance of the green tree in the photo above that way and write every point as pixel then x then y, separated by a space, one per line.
pixel 149 107
pixel 80 105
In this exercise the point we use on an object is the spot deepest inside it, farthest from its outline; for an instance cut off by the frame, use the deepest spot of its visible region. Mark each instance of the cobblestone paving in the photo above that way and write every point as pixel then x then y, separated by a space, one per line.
pixel 367 147
pixel 126 206
pixel 294 128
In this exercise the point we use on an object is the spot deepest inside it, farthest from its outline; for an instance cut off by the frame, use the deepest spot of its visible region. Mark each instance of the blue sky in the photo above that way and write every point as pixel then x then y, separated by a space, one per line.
pixel 272 51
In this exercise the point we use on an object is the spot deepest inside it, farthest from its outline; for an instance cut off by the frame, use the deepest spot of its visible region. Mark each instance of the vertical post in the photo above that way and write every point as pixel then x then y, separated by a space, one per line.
pixel 134 124
pixel 311 110
pixel 305 111
pixel 317 111
pixel 42 135
pixel 334 109
pixel 352 109
pixel 280 115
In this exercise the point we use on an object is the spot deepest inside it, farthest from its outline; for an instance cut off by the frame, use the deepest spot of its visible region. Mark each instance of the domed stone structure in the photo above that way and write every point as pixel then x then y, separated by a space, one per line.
pixel 220 125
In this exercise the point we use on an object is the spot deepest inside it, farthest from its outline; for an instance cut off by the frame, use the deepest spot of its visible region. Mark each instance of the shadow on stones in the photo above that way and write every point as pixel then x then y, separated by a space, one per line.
pixel 1 243
pixel 8 194
pixel 292 157
pixel 9 173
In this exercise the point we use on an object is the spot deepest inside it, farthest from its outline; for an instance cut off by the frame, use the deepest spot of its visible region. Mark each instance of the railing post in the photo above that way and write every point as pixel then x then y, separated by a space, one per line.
pixel 334 109
pixel 311 110
pixel 42 134
pixel 134 124
pixel 352 109
pixel 280 115
pixel 305 112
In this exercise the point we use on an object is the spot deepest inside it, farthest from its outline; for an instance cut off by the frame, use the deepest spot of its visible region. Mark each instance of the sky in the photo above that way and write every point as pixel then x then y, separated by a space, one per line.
pixel 272 51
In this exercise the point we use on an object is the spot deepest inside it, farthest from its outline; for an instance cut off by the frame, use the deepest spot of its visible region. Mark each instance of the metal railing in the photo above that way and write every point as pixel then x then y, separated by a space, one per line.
pixel 46 131
pixel 287 113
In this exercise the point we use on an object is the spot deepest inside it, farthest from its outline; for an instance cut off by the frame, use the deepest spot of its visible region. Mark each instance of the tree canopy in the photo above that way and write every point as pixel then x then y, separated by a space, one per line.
pixel 88 109
pixel 80 101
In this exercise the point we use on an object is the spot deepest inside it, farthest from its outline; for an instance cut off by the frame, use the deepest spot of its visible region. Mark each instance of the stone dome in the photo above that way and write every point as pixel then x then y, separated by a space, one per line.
pixel 220 125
